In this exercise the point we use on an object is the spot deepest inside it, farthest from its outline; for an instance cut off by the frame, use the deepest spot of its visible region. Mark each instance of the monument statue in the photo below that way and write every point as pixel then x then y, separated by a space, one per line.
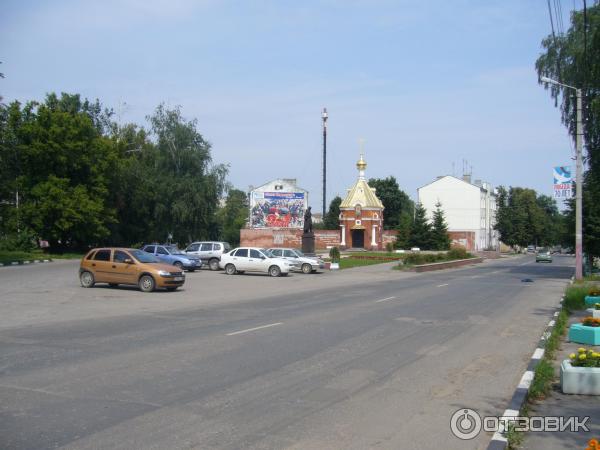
pixel 308 227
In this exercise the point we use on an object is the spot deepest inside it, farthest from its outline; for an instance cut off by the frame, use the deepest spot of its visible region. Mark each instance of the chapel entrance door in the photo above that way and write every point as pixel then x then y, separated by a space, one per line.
pixel 358 238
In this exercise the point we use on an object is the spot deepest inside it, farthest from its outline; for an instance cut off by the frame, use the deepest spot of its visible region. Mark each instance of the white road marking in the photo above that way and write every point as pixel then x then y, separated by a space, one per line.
pixel 384 299
pixel 442 285
pixel 255 328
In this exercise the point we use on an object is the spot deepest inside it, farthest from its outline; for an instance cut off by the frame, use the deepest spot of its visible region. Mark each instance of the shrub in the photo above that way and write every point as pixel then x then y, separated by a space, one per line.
pixel 458 253
pixel 389 247
pixel 575 297
pixel 334 254
pixel 24 241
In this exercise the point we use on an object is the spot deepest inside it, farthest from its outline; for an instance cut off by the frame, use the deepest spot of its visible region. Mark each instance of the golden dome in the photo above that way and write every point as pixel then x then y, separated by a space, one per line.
pixel 361 164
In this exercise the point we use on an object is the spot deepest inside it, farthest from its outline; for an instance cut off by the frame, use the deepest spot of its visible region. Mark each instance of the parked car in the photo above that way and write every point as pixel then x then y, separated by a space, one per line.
pixel 209 252
pixel 531 249
pixel 128 266
pixel 170 254
pixel 253 259
pixel 306 264
pixel 543 255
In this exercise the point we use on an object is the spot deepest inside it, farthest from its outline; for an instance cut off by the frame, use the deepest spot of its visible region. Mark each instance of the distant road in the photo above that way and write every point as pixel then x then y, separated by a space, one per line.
pixel 364 358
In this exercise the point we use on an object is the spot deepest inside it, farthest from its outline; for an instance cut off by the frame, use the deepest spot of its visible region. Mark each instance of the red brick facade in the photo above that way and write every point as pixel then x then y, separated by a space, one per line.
pixel 286 237
pixel 362 228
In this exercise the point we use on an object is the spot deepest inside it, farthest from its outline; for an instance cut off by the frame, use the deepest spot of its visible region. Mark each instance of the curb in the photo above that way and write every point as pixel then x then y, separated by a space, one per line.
pixel 499 441
pixel 24 262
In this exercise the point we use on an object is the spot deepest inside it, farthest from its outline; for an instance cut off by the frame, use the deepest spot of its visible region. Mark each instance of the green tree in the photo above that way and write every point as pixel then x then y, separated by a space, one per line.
pixel 395 201
pixel 420 232
pixel 51 150
pixel 331 221
pixel 574 59
pixel 404 231
pixel 233 216
pixel 439 230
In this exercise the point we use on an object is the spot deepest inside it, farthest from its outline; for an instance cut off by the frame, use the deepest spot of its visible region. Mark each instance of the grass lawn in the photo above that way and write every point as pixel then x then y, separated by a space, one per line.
pixel 6 256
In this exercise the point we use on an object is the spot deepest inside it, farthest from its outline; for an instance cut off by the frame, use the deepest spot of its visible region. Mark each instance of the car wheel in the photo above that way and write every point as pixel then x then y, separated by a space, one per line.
pixel 178 265
pixel 230 269
pixel 146 283
pixel 213 264
pixel 274 271
pixel 113 284
pixel 87 279
pixel 306 268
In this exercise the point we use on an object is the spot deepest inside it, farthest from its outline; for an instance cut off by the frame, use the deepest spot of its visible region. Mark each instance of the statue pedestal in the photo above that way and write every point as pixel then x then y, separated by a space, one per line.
pixel 308 244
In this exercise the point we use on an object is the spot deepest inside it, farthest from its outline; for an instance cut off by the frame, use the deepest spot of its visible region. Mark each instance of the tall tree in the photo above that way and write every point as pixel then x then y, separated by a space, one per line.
pixel 439 229
pixel 395 201
pixel 420 233
pixel 574 59
pixel 331 221
pixel 233 216
pixel 403 230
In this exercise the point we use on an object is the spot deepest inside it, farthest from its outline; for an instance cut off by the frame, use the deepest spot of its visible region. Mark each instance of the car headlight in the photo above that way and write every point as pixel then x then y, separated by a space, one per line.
pixel 164 273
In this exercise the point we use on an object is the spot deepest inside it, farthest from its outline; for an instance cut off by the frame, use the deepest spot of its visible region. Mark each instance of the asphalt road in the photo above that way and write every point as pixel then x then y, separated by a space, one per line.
pixel 363 358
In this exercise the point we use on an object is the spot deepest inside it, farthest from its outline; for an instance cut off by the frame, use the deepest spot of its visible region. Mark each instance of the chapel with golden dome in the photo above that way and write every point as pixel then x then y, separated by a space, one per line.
pixel 361 214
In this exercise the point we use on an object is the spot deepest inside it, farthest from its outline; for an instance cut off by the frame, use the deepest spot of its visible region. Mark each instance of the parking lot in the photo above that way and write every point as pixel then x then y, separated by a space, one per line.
pixel 47 293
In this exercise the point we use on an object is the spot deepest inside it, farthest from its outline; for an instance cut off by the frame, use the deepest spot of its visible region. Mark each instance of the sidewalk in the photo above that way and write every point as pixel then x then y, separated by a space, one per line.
pixel 565 405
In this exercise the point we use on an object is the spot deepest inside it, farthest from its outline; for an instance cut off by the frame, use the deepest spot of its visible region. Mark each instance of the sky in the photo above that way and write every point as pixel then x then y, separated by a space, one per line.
pixel 426 84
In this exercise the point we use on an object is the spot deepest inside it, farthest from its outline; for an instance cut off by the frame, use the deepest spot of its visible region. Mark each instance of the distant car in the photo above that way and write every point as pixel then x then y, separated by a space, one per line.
pixel 306 264
pixel 531 249
pixel 543 255
pixel 208 251
pixel 254 259
pixel 128 266
pixel 170 254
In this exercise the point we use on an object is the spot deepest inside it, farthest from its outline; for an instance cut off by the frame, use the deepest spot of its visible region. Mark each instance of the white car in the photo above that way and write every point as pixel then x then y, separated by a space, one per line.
pixel 305 264
pixel 254 259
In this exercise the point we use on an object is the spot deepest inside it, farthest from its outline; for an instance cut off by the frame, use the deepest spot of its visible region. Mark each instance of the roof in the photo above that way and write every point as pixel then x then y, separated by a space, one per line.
pixel 458 179
pixel 361 194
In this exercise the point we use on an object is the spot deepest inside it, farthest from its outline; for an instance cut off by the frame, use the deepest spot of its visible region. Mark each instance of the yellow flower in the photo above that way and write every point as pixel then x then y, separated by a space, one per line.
pixel 581 350
pixel 572 356
pixel 582 356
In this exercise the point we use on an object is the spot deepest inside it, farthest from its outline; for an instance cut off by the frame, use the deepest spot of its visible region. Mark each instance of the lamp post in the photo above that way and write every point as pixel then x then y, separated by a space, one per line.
pixel 579 179
pixel 324 117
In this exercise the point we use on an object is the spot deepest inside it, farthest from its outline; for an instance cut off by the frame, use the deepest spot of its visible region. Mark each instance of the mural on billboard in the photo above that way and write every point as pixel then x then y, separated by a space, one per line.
pixel 563 182
pixel 278 209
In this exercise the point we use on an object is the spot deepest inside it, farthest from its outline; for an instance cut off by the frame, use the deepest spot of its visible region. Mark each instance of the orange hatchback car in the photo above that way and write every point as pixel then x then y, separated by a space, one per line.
pixel 128 266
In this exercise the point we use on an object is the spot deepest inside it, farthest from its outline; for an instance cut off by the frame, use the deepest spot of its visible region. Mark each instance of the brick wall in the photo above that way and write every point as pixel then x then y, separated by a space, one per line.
pixel 286 237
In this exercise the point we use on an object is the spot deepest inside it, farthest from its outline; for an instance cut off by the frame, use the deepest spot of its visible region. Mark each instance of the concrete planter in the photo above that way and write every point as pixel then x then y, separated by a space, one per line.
pixel 591 300
pixel 594 312
pixel 584 335
pixel 334 266
pixel 579 380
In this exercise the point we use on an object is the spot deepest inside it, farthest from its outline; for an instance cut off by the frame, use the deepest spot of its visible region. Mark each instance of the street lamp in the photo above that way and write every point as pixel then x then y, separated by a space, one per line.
pixel 324 116
pixel 579 179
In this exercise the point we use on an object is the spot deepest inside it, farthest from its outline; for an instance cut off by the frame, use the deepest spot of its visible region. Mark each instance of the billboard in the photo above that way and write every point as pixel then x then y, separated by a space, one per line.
pixel 277 209
pixel 563 182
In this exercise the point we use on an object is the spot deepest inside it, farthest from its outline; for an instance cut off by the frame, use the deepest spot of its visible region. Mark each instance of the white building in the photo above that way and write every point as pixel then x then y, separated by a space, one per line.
pixel 469 209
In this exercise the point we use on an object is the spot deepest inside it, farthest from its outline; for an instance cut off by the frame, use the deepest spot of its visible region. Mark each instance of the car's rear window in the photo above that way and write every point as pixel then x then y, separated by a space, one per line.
pixel 102 255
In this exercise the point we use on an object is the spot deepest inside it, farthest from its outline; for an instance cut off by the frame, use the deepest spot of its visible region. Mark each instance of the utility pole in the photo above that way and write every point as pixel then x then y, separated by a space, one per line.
pixel 578 193
pixel 578 178
pixel 324 117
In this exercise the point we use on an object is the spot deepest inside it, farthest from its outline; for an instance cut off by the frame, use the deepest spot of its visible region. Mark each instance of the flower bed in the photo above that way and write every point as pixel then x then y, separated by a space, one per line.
pixel 591 300
pixel 580 374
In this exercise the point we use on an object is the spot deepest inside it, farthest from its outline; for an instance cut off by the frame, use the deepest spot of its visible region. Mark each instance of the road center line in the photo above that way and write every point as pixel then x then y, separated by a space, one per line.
pixel 255 328
pixel 442 285
pixel 384 299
